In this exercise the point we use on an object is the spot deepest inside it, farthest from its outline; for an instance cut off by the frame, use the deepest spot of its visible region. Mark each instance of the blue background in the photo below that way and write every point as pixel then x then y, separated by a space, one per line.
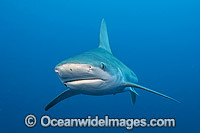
pixel 158 39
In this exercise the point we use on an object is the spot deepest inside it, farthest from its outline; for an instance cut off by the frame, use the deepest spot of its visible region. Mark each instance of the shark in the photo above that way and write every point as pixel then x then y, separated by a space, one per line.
pixel 97 72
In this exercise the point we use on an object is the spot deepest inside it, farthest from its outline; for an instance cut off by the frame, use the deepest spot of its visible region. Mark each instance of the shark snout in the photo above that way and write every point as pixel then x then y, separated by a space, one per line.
pixel 70 67
pixel 60 70
pixel 56 70
pixel 69 70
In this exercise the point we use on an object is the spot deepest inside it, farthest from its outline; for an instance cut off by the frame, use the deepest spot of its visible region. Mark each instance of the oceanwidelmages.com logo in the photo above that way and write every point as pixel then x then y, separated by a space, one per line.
pixel 89 121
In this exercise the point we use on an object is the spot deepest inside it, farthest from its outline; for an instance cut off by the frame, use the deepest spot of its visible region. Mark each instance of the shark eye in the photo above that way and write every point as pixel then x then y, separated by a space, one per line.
pixel 102 66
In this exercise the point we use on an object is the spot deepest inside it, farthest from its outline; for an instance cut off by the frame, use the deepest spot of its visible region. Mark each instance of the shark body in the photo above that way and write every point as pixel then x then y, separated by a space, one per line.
pixel 97 72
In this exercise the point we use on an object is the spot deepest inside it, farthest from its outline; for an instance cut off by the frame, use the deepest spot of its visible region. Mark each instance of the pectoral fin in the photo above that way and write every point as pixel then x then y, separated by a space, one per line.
pixel 147 89
pixel 66 94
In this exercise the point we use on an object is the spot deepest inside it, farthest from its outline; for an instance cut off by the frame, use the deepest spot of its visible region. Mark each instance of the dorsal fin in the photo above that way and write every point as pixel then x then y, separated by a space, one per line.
pixel 103 41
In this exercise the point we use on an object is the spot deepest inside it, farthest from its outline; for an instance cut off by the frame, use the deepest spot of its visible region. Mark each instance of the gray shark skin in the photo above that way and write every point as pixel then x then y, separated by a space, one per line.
pixel 97 72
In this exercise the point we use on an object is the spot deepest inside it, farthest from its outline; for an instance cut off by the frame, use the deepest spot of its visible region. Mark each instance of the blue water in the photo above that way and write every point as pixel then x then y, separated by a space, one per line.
pixel 158 40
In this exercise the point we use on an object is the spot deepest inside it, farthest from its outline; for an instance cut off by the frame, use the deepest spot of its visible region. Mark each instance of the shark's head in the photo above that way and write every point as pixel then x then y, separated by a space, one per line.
pixel 89 73
pixel 94 71
pixel 70 71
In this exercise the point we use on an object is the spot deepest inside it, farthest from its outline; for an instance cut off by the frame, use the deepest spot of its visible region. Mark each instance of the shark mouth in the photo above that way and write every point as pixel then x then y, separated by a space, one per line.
pixel 82 81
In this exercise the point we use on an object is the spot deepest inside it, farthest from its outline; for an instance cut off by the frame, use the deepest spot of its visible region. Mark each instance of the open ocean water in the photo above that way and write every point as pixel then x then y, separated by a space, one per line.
pixel 158 39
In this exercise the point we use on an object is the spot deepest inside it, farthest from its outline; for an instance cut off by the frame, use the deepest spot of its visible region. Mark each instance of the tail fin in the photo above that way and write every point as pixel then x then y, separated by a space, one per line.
pixel 144 88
